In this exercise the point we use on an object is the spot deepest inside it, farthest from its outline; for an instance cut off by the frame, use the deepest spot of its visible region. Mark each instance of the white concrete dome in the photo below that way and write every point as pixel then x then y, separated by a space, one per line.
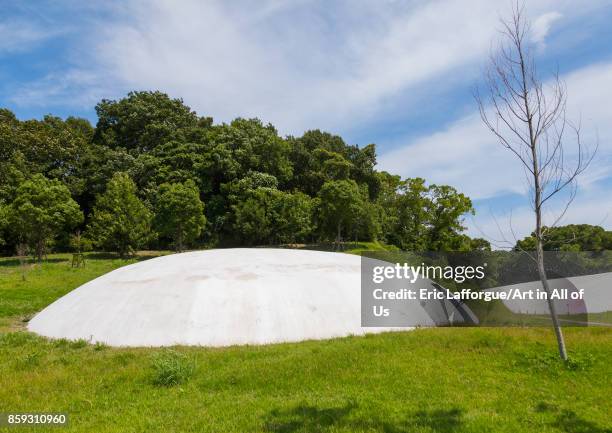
pixel 214 298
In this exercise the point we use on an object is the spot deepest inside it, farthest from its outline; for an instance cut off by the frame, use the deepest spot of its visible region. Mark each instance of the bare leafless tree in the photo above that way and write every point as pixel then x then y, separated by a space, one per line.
pixel 529 119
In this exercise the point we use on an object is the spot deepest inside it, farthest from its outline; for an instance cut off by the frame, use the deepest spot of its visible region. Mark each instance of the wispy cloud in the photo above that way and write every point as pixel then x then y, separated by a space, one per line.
pixel 466 147
pixel 84 89
pixel 466 155
pixel 340 66
pixel 542 25
pixel 22 35
pixel 298 64
pixel 503 229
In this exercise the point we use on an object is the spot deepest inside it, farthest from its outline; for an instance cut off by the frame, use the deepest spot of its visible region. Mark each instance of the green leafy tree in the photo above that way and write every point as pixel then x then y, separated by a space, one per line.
pixel 41 210
pixel 265 215
pixel 363 161
pixel 79 243
pixel 253 216
pixel 386 201
pixel 410 217
pixel 427 218
pixel 259 188
pixel 479 244
pixel 317 157
pixel 142 121
pixel 445 208
pixel 52 147
pixel 255 147
pixel 292 217
pixel 120 221
pixel 340 204
pixel 3 221
pixel 208 164
pixel 98 166
pixel 572 237
pixel 367 221
pixel 180 213
pixel 332 165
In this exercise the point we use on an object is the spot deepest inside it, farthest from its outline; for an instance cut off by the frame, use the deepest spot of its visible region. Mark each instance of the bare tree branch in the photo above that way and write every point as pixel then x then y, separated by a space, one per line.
pixel 529 118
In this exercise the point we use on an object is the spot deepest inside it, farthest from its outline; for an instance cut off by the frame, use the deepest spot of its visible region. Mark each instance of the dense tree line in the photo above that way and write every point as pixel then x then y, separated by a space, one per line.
pixel 570 238
pixel 152 173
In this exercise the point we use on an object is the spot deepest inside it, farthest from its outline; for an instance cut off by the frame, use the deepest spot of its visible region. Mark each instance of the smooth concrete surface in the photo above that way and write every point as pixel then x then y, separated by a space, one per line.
pixel 214 298
pixel 597 296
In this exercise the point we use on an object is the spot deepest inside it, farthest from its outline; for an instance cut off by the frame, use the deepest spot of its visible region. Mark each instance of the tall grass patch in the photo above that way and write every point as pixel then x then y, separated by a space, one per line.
pixel 171 368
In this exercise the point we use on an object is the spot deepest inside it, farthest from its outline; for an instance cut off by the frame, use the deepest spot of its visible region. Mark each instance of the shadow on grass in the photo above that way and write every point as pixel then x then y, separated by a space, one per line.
pixel 115 256
pixel 104 256
pixel 13 262
pixel 569 421
pixel 305 418
pixel 9 262
pixel 323 246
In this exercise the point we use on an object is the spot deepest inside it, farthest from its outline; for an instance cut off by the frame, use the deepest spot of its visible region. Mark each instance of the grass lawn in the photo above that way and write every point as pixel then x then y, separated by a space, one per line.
pixel 428 380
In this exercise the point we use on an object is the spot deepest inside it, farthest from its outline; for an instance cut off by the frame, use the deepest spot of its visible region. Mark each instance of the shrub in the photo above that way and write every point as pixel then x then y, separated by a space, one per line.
pixel 19 338
pixel 99 346
pixel 579 361
pixel 61 343
pixel 31 359
pixel 78 344
pixel 549 361
pixel 172 368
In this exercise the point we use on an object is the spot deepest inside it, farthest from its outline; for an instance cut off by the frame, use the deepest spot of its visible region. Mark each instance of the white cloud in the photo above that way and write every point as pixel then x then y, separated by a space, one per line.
pixel 297 65
pixel 463 155
pixel 303 64
pixel 502 229
pixel 22 35
pixel 318 64
pixel 85 89
pixel 541 26
pixel 467 156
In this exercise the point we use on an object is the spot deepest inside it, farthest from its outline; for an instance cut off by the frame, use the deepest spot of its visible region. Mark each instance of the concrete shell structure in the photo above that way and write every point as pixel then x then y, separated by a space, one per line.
pixel 596 297
pixel 216 298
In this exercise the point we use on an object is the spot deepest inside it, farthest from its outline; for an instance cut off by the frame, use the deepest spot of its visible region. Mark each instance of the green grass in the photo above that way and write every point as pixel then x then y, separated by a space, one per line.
pixel 345 247
pixel 172 368
pixel 25 290
pixel 428 380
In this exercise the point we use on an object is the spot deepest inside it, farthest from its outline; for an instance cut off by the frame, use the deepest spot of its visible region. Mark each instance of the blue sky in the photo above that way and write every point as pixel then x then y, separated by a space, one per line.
pixel 396 73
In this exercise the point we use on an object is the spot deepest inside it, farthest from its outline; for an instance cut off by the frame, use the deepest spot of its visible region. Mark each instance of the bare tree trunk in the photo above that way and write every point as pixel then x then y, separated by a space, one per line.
pixel 537 198
pixel 22 250
pixel 529 119
pixel 179 239
pixel 40 250
pixel 551 302
pixel 540 251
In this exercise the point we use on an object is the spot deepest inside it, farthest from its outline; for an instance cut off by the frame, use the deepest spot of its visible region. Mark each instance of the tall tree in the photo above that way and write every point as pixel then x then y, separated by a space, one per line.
pixel 255 147
pixel 52 147
pixel 3 221
pixel 530 121
pixel 340 205
pixel 142 121
pixel 572 237
pixel 446 207
pixel 254 216
pixel 41 210
pixel 180 213
pixel 410 215
pixel 292 217
pixel 120 221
